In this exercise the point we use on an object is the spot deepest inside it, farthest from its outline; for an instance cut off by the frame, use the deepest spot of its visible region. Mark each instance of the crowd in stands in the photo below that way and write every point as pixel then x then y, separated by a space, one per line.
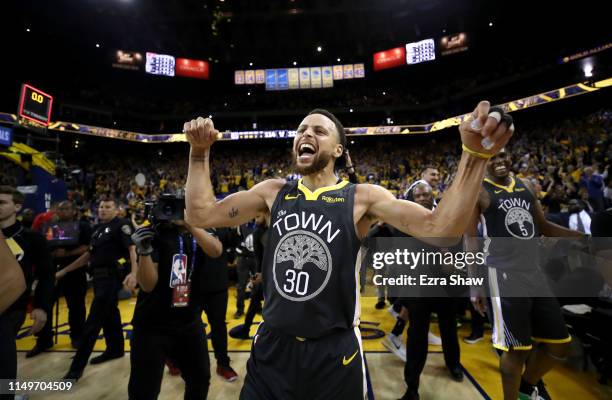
pixel 565 161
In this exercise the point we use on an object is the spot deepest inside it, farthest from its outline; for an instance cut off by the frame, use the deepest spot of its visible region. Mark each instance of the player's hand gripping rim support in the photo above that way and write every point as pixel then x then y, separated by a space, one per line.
pixel 486 131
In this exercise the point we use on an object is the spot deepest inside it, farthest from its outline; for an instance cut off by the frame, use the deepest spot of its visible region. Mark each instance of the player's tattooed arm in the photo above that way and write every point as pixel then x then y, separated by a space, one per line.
pixel 199 158
pixel 233 213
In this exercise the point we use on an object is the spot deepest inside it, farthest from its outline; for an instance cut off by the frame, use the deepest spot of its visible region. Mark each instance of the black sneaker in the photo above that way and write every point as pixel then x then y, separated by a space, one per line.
pixel 542 392
pixel 38 349
pixel 380 304
pixel 472 339
pixel 73 375
pixel 239 332
pixel 410 395
pixel 456 373
pixel 105 357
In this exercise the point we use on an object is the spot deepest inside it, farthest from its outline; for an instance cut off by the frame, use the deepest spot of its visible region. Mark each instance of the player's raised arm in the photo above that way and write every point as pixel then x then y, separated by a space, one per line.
pixel 482 135
pixel 202 208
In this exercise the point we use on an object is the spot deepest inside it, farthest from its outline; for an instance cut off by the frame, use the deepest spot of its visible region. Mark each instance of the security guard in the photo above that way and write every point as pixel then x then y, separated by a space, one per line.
pixel 110 245
pixel 31 252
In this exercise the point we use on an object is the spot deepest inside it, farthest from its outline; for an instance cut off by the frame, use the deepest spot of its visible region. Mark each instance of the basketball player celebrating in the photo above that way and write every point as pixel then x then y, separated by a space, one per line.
pixel 309 345
pixel 524 310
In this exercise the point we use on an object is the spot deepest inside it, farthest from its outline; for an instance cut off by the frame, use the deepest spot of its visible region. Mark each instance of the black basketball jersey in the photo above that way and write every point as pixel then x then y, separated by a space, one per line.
pixel 309 266
pixel 508 224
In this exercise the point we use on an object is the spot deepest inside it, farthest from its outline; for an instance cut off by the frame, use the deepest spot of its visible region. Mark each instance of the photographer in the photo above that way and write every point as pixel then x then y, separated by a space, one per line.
pixel 167 321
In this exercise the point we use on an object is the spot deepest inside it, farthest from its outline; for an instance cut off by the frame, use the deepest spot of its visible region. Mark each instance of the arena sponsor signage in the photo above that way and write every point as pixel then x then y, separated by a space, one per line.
pixel 453 44
pixel 192 68
pixel 160 64
pixel 418 52
pixel 6 136
pixel 35 105
pixel 586 53
pixel 389 58
pixel 130 60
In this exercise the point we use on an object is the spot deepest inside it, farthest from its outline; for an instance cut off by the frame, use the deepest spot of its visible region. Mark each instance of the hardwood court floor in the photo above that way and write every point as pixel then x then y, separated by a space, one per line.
pixel 109 380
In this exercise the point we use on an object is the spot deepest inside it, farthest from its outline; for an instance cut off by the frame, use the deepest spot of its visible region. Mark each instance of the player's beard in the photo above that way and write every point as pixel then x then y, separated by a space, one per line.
pixel 321 159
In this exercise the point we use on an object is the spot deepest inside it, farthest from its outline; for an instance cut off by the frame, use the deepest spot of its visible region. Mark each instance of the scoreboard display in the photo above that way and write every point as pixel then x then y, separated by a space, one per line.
pixel 160 64
pixel 35 105
pixel 419 52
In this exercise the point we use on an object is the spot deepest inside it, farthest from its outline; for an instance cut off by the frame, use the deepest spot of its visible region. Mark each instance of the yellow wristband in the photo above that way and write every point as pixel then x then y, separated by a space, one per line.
pixel 475 153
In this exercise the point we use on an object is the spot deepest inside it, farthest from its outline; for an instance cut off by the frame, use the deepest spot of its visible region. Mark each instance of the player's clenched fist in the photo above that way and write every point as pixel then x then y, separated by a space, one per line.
pixel 200 132
pixel 487 130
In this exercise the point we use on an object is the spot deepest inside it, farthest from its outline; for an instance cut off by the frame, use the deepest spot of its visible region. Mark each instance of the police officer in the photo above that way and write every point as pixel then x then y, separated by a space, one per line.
pixel 68 239
pixel 167 322
pixel 33 255
pixel 110 245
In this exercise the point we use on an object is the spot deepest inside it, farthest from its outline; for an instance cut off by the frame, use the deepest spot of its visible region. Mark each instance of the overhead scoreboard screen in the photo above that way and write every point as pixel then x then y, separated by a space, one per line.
pixel 35 105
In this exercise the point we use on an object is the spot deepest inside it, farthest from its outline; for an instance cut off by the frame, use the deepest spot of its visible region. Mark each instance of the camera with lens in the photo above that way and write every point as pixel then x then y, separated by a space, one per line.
pixel 169 207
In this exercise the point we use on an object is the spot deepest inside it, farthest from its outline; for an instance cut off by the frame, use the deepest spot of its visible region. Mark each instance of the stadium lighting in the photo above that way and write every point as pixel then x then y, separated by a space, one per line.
pixel 338 59
pixel 250 64
pixel 98 45
pixel 27 29
pixel 248 93
pixel 319 49
pixel 588 70
pixel 350 110
pixel 490 23
pixel 384 93
pixel 210 116
pixel 352 142
pixel 295 63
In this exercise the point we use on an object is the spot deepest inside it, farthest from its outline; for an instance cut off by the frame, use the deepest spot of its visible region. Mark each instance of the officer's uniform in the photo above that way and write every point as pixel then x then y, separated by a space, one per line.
pixel 523 308
pixel 109 254
pixel 309 346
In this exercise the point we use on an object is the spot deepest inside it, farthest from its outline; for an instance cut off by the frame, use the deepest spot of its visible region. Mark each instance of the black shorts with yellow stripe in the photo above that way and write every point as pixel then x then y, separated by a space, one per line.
pixel 284 367
pixel 523 310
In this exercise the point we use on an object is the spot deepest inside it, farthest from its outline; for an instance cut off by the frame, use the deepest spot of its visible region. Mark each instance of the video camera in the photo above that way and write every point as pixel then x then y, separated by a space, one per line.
pixel 169 207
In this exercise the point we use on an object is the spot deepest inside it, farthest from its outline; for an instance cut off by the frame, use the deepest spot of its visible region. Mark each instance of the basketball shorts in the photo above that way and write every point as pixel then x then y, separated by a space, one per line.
pixel 283 367
pixel 524 310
